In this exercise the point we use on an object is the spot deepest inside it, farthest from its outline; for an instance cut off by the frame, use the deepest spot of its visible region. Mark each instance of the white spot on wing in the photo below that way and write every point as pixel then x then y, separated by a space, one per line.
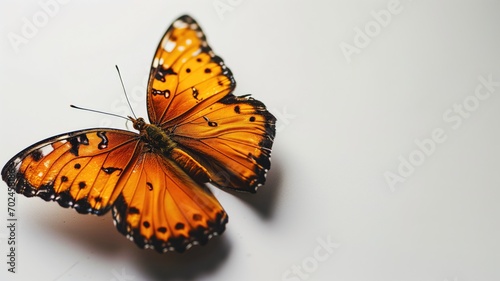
pixel 46 150
pixel 180 24
pixel 197 52
pixel 17 163
pixel 169 45
pixel 157 62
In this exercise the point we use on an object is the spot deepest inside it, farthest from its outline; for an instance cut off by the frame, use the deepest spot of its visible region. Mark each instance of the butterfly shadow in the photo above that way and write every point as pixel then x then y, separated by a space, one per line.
pixel 264 201
pixel 191 265
pixel 94 233
pixel 98 236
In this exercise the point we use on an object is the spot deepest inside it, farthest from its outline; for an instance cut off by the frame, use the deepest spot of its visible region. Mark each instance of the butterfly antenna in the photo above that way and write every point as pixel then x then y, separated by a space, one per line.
pixel 98 111
pixel 125 92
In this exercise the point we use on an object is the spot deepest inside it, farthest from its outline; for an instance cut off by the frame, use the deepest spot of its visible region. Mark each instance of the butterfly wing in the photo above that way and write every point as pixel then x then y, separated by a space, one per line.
pixel 162 208
pixel 185 74
pixel 190 96
pixel 80 169
pixel 232 139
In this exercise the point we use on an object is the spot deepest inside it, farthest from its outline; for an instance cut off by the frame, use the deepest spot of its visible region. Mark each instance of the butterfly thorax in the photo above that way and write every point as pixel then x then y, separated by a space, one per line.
pixel 155 137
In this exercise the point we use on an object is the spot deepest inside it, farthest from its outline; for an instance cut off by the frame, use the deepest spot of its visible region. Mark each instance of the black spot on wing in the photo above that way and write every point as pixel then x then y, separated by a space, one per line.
pixel 104 140
pixel 37 155
pixel 210 123
pixel 110 170
pixel 162 72
pixel 82 206
pixel 165 93
pixel 75 143
pixel 195 93
pixel 133 210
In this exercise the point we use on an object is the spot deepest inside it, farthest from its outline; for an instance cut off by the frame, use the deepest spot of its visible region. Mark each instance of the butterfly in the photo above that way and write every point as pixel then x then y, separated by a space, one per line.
pixel 154 180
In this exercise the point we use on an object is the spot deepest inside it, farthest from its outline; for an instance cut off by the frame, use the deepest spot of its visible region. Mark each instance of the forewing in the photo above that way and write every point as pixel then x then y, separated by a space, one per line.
pixel 185 74
pixel 79 169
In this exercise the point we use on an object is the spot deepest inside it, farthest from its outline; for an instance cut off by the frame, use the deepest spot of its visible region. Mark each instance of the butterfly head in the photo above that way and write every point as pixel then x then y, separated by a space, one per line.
pixel 139 123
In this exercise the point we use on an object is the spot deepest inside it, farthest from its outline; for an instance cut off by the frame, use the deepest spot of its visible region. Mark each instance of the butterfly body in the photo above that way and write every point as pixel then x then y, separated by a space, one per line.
pixel 153 180
pixel 154 137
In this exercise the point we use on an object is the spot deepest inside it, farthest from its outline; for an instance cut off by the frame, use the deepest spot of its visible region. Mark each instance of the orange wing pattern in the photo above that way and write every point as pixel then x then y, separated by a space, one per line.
pixel 186 75
pixel 162 208
pixel 79 169
pixel 232 139
pixel 153 181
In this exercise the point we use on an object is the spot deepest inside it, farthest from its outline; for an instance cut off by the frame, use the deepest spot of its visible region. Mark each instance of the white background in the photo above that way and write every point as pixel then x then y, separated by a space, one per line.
pixel 342 126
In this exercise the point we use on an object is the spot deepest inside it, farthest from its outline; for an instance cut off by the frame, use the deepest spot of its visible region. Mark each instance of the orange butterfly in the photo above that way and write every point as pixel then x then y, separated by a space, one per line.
pixel 153 181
